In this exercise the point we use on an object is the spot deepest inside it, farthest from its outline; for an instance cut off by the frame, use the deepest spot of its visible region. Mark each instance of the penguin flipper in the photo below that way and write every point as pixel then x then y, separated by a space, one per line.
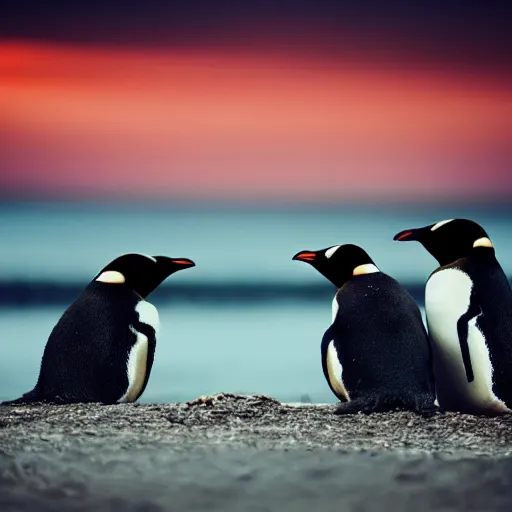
pixel 28 398
pixel 462 330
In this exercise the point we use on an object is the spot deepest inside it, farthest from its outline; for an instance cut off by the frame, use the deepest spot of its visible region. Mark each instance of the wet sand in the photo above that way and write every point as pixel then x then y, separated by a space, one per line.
pixel 251 454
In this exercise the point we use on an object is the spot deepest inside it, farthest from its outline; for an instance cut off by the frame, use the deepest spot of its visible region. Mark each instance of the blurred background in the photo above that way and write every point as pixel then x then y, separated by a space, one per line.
pixel 236 134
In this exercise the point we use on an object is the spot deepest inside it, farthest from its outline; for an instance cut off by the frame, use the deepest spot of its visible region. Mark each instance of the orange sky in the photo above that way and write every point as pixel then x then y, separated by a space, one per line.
pixel 214 123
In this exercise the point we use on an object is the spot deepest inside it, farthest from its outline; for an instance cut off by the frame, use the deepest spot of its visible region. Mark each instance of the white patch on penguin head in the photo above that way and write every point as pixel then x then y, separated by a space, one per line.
pixel 367 268
pixel 111 277
pixel 331 251
pixel 439 224
pixel 483 242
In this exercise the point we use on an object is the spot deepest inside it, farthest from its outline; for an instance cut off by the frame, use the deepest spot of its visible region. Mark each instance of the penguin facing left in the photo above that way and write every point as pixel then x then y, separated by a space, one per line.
pixel 468 305
pixel 103 346
pixel 376 354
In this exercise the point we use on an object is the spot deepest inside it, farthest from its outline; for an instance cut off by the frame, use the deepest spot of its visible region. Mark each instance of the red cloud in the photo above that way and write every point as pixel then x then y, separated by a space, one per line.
pixel 219 124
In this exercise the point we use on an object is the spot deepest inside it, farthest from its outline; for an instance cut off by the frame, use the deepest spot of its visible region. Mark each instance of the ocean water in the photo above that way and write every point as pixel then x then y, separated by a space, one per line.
pixel 270 347
pixel 201 350
pixel 72 241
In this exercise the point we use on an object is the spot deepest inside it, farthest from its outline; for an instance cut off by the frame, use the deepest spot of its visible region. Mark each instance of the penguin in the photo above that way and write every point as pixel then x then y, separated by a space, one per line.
pixel 103 346
pixel 376 354
pixel 468 307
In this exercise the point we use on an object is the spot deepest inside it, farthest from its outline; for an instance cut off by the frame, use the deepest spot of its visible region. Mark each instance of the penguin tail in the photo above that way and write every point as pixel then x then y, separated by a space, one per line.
pixel 27 398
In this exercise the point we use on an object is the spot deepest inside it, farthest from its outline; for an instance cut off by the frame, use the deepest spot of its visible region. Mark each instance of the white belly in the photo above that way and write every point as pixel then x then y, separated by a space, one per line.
pixel 136 367
pixel 334 368
pixel 335 371
pixel 447 298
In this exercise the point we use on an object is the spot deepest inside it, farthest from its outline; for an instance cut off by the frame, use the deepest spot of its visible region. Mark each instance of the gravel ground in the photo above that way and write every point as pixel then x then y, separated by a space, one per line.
pixel 230 453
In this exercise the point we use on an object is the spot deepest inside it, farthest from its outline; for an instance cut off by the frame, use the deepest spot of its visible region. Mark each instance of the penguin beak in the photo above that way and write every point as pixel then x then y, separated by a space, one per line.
pixel 408 235
pixel 307 256
pixel 183 262
pixel 180 263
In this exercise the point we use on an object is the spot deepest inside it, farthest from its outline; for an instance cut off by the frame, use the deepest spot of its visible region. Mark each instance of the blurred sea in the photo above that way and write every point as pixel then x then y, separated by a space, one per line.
pixel 246 319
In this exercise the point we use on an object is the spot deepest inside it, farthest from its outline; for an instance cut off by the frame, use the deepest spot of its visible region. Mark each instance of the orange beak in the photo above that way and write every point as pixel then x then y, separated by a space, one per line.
pixel 185 262
pixel 305 256
pixel 408 235
pixel 403 236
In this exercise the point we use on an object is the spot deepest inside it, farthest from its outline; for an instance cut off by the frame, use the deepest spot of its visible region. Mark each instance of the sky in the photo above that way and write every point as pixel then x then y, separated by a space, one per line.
pixel 281 101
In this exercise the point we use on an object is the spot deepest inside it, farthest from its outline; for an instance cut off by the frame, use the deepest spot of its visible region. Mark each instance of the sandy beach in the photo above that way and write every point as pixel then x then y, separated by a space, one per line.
pixel 252 453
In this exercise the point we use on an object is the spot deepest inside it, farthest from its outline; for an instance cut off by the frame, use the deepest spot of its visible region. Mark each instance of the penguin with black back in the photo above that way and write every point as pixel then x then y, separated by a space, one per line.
pixel 103 346
pixel 468 305
pixel 376 354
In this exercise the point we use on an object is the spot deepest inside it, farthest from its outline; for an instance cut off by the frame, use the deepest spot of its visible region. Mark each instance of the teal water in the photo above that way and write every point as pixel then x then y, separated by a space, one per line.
pixel 248 347
pixel 71 242
pixel 201 350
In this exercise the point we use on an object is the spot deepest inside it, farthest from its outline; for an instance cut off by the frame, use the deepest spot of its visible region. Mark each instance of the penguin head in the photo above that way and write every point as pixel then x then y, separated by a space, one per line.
pixel 339 263
pixel 448 240
pixel 140 272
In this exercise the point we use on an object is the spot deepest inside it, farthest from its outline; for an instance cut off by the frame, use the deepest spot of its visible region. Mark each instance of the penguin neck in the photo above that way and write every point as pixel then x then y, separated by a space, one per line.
pixel 112 290
pixel 484 252
pixel 333 278
pixel 447 253
pixel 338 279
pixel 106 286
pixel 446 258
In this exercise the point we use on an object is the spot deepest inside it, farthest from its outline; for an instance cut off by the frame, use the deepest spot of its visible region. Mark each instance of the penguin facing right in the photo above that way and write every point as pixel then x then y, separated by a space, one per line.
pixel 103 346
pixel 376 354
pixel 468 305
